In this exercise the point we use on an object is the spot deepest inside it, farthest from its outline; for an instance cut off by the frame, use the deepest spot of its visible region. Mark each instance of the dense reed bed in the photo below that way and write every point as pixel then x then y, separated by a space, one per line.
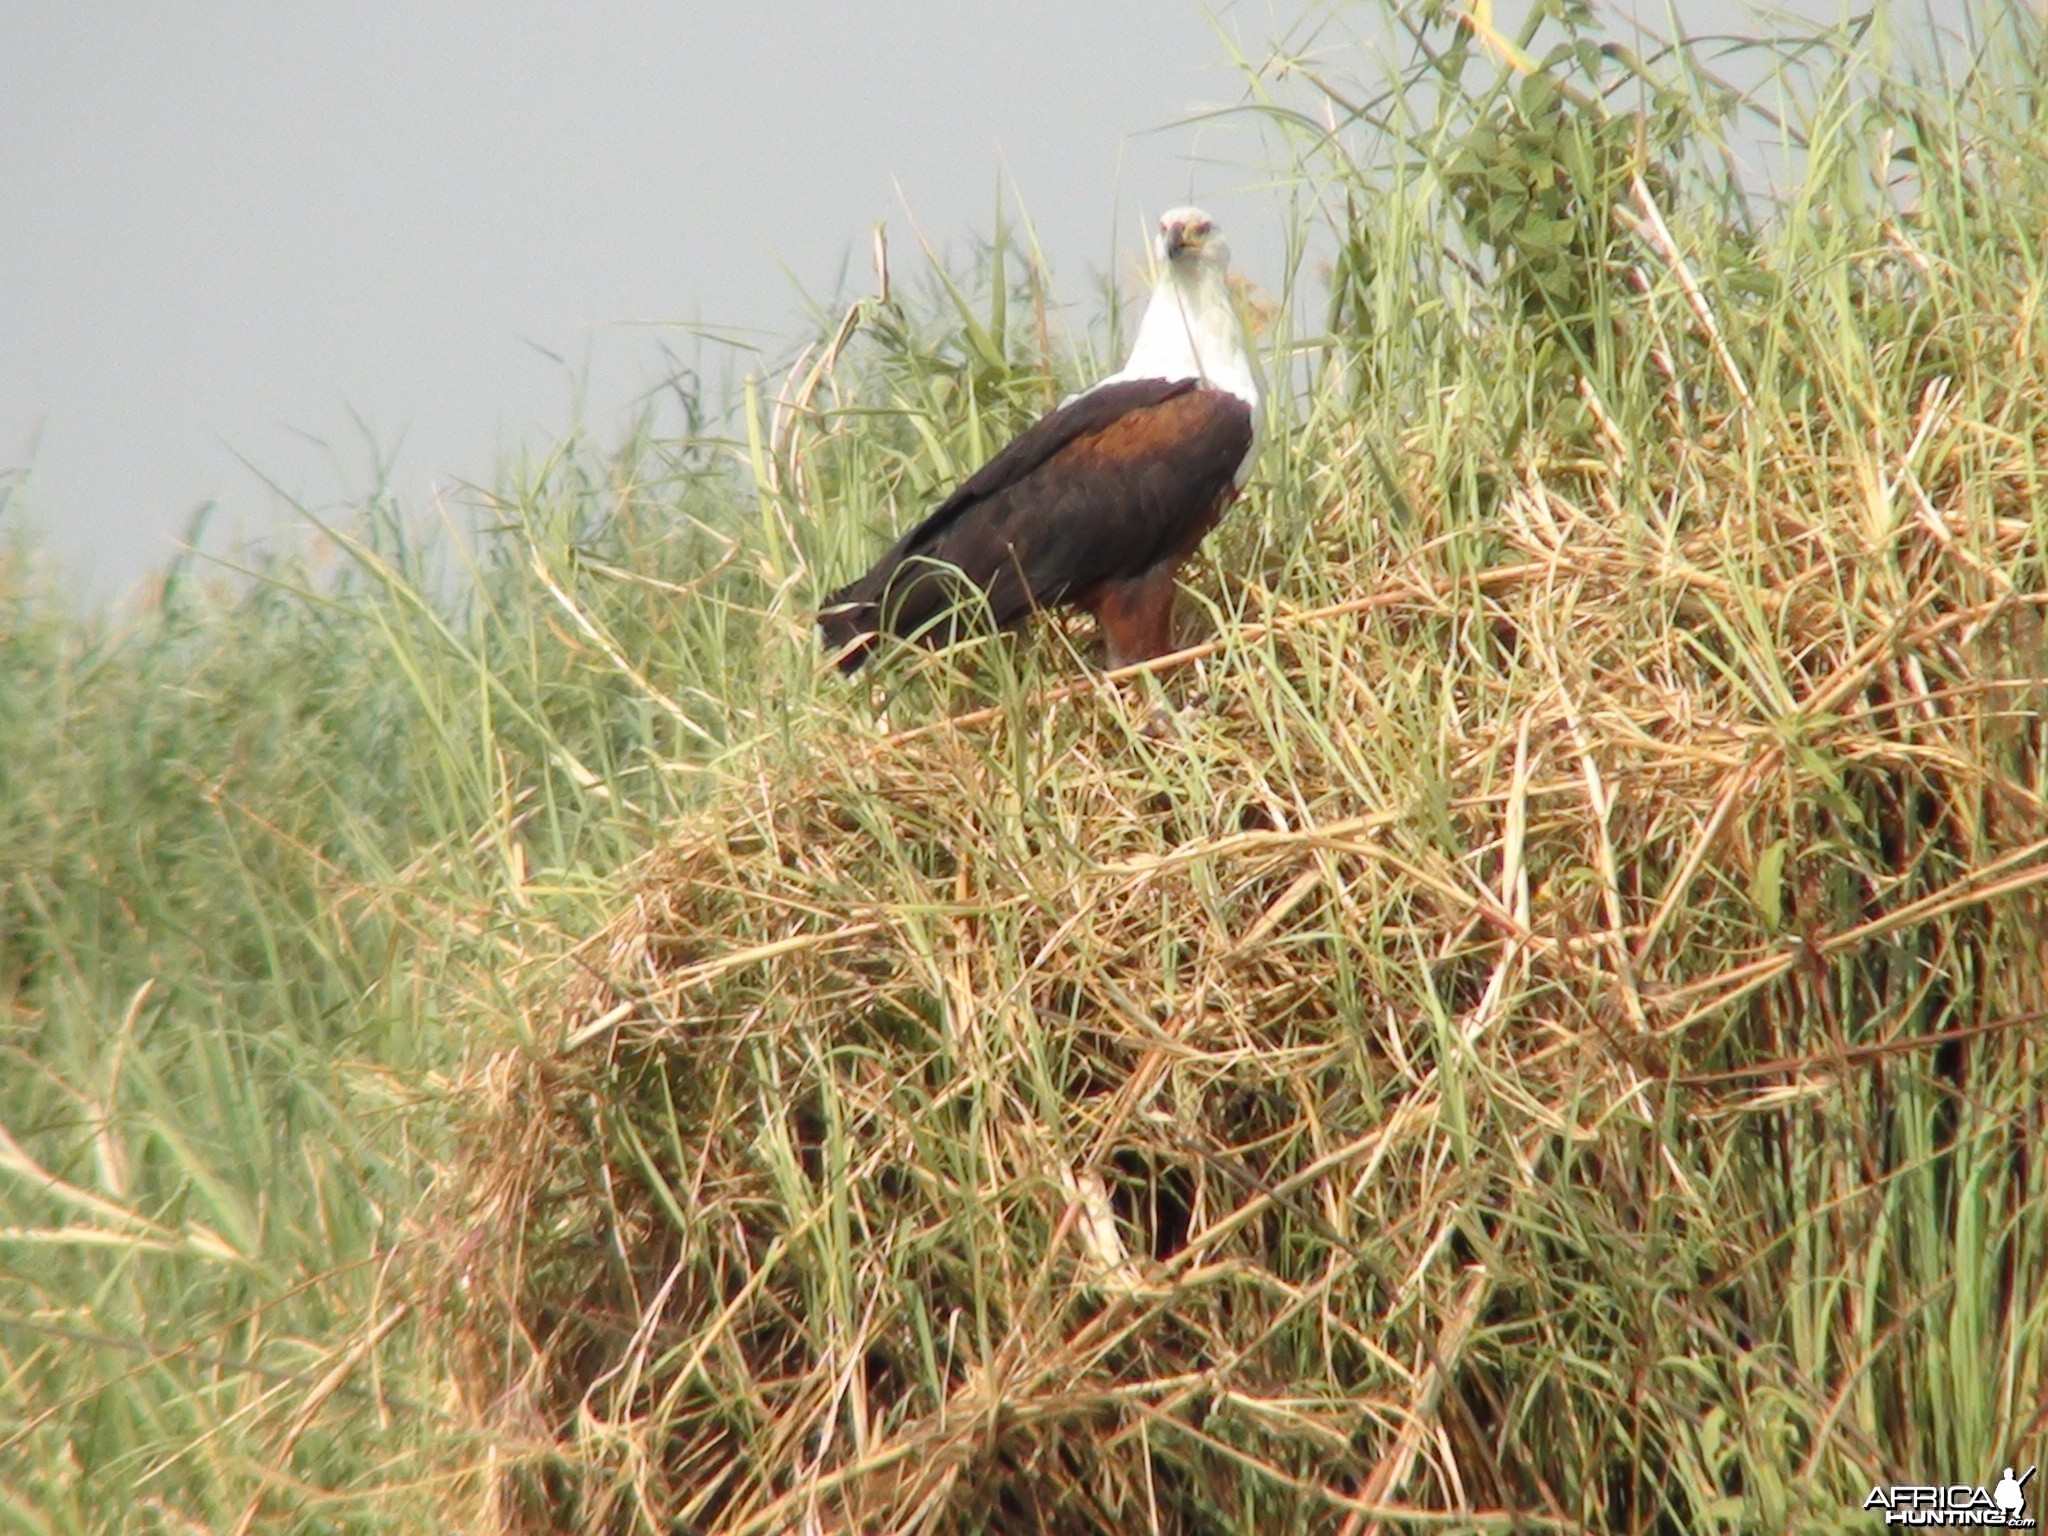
pixel 1532 1020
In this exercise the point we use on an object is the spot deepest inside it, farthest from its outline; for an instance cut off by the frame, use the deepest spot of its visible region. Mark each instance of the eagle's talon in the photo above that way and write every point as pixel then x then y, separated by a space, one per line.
pixel 1161 723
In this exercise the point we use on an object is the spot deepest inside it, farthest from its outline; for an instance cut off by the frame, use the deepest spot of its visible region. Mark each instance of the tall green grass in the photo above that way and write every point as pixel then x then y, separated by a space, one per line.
pixel 255 838
pixel 498 1033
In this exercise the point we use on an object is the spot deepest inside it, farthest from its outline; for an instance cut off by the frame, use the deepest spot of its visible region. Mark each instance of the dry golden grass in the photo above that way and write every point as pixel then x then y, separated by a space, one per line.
pixel 1533 1021
pixel 1418 1085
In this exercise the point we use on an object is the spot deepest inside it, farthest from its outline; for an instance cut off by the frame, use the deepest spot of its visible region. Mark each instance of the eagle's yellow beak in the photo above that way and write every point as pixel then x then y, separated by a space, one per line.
pixel 1188 232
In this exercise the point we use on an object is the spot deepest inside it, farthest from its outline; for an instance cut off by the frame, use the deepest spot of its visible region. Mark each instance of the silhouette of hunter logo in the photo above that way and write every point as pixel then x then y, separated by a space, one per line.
pixel 2010 1495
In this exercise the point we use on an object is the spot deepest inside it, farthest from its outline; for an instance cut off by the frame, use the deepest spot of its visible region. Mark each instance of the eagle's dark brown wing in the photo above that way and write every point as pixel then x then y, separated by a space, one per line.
pixel 1114 487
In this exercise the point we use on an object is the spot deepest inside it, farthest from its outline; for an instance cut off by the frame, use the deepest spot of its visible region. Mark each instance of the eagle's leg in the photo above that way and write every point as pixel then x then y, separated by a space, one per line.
pixel 1136 616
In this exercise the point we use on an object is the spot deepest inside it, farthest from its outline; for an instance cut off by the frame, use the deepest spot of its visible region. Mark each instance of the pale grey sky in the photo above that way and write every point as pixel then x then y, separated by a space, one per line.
pixel 225 227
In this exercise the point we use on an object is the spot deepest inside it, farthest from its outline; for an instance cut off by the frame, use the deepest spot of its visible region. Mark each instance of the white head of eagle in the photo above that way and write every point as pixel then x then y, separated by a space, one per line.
pixel 1097 504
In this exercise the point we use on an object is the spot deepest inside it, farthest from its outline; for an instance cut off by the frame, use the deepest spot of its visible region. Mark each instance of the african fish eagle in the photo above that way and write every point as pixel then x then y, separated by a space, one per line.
pixel 1097 504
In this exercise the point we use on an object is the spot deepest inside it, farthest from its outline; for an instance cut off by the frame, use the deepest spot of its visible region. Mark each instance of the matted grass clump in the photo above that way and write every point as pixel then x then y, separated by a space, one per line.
pixel 1535 1021
pixel 1482 1061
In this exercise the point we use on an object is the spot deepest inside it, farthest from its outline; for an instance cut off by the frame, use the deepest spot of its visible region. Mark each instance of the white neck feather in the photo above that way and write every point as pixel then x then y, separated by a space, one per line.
pixel 1191 331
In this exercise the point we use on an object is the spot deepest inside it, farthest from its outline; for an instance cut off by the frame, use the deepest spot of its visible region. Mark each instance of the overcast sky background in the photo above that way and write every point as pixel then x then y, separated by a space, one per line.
pixel 229 229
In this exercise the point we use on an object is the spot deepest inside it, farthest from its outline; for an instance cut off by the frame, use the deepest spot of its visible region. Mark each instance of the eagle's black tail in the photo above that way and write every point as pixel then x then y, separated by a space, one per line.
pixel 849 621
pixel 912 594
